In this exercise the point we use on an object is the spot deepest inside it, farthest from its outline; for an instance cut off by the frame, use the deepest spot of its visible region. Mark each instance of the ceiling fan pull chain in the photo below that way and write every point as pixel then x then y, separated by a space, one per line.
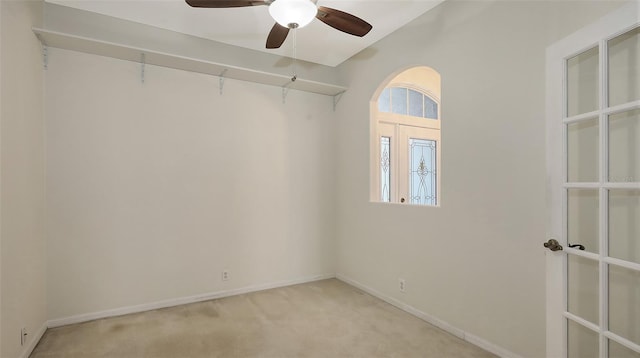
pixel 295 59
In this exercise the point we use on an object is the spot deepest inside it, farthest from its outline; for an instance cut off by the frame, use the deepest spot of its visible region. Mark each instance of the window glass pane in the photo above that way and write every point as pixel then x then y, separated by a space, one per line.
pixel 624 146
pixel 582 342
pixel 422 172
pixel 583 83
pixel 582 218
pixel 384 101
pixel 430 108
pixel 385 169
pixel 624 303
pixel 624 68
pixel 582 151
pixel 415 103
pixel 624 225
pixel 617 350
pixel 582 287
pixel 399 100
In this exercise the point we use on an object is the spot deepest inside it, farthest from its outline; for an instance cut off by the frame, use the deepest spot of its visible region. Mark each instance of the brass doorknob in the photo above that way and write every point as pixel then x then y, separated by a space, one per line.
pixel 553 245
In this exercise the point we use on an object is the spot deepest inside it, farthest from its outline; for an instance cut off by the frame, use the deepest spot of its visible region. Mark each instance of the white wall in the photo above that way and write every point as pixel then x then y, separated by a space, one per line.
pixel 22 246
pixel 0 182
pixel 155 188
pixel 476 262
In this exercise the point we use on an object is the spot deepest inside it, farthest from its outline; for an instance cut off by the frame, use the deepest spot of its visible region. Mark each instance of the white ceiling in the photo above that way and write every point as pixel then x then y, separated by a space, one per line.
pixel 248 26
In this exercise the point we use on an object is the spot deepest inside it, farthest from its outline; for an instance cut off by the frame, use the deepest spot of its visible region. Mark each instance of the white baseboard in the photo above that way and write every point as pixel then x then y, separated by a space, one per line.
pixel 473 339
pixel 33 342
pixel 178 301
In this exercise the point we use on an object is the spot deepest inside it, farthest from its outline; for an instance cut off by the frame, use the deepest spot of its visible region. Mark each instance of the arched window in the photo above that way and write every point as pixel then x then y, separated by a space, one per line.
pixel 405 138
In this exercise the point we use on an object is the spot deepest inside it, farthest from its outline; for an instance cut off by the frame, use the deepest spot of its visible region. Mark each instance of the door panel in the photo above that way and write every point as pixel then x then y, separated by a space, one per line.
pixel 624 146
pixel 582 218
pixel 583 288
pixel 593 134
pixel 583 90
pixel 624 303
pixel 388 163
pixel 583 342
pixel 421 146
pixel 624 225
pixel 624 68
pixel 583 150
pixel 617 350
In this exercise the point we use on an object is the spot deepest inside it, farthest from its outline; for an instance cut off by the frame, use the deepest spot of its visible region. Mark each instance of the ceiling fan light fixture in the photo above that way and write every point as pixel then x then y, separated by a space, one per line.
pixel 293 13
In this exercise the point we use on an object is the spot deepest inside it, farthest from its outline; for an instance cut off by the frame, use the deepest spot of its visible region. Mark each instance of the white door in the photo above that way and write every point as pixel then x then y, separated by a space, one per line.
pixel 593 156
pixel 420 164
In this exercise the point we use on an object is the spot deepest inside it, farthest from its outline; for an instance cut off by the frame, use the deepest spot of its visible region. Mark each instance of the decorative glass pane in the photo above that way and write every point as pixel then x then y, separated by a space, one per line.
pixel 430 108
pixel 624 225
pixel 617 350
pixel 385 169
pixel 422 171
pixel 624 303
pixel 624 146
pixel 582 218
pixel 624 68
pixel 384 101
pixel 582 342
pixel 399 100
pixel 582 287
pixel 583 83
pixel 582 150
pixel 415 103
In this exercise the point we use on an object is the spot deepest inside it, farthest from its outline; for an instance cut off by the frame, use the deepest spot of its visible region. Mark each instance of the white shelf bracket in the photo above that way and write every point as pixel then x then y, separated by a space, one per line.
pixel 221 80
pixel 142 64
pixel 337 99
pixel 45 56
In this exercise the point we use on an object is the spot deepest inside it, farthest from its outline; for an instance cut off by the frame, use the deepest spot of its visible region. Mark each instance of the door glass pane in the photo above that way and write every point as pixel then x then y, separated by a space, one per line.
pixel 582 342
pixel 617 350
pixel 422 171
pixel 399 100
pixel 624 303
pixel 582 287
pixel 385 169
pixel 624 146
pixel 624 68
pixel 624 225
pixel 415 103
pixel 582 151
pixel 582 218
pixel 582 83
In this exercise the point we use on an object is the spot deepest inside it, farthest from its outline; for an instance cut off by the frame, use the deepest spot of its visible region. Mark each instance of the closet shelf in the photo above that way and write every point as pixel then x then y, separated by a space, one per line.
pixel 124 52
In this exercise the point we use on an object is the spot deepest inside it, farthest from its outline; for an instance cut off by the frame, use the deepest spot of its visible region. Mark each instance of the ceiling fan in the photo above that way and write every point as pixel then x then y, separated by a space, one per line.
pixel 292 14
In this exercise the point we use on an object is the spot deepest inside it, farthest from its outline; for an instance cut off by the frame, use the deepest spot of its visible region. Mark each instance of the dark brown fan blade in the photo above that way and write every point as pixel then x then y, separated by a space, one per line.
pixel 277 35
pixel 225 3
pixel 343 21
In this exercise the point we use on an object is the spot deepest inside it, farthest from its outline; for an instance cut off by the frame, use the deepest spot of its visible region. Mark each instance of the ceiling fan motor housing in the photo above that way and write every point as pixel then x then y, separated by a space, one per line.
pixel 293 13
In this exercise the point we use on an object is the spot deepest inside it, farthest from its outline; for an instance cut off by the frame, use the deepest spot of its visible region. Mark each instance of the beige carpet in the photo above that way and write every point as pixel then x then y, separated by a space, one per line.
pixel 319 319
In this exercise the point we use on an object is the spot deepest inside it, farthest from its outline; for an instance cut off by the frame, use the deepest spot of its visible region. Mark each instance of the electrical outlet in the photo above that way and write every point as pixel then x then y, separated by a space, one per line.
pixel 23 336
pixel 225 275
pixel 401 284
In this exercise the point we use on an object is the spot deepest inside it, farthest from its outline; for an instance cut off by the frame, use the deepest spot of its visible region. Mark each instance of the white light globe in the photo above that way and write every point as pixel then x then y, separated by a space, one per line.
pixel 293 13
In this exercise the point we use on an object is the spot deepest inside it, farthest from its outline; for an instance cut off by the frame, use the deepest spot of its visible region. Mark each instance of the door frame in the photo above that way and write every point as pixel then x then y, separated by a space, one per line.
pixel 611 25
